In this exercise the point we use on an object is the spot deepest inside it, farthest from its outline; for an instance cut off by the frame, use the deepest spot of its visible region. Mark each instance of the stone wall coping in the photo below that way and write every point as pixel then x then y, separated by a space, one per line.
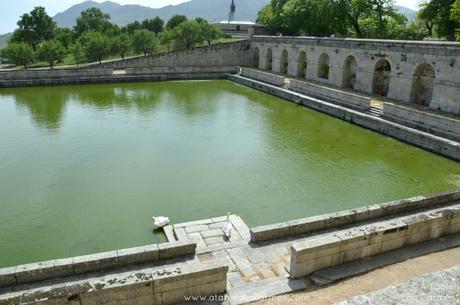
pixel 321 222
pixel 46 270
pixel 408 45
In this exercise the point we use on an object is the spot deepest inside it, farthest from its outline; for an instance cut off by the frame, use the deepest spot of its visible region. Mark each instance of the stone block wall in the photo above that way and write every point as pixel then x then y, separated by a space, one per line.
pixel 268 78
pixel 111 260
pixel 340 97
pixel 436 124
pixel 336 248
pixel 225 54
pixel 404 58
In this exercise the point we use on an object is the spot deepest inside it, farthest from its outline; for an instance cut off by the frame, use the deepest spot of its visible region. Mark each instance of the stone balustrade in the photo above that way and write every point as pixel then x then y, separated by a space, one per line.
pixel 343 246
pixel 332 220
pixel 437 124
pixel 110 260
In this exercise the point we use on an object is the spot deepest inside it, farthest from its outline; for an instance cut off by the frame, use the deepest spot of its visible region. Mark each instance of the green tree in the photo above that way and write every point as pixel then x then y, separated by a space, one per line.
pixel 92 19
pixel 175 21
pixel 210 32
pixel 354 11
pixel 34 27
pixel 155 25
pixel 64 36
pixel 19 53
pixel 167 38
pixel 132 27
pixel 145 41
pixel 52 52
pixel 440 13
pixel 381 9
pixel 96 46
pixel 121 45
pixel 188 34
pixel 77 52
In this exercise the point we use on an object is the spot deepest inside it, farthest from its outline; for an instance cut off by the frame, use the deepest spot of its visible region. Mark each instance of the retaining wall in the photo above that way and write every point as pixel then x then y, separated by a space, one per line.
pixel 430 122
pixel 110 260
pixel 336 248
pixel 340 97
pixel 87 76
pixel 445 147
pixel 269 78
pixel 224 54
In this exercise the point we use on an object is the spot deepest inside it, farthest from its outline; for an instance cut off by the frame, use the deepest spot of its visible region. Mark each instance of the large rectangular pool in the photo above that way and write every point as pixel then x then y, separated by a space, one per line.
pixel 83 168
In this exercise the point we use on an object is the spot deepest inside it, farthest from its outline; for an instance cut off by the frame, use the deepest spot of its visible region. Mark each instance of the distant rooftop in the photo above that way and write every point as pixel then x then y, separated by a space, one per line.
pixel 237 22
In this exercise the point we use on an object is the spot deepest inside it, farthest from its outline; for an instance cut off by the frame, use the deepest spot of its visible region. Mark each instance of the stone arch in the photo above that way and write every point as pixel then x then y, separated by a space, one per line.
pixel 269 60
pixel 323 66
pixel 302 64
pixel 422 85
pixel 382 76
pixel 350 70
pixel 284 62
pixel 255 57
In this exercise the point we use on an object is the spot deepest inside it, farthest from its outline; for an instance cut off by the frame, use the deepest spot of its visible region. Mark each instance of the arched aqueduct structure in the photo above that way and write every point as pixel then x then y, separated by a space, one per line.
pixel 422 73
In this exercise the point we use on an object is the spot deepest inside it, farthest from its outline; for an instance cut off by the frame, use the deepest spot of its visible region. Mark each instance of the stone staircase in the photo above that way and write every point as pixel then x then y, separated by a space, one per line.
pixel 375 111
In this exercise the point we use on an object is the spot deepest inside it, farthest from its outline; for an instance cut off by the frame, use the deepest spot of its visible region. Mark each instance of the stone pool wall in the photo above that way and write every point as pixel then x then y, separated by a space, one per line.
pixel 436 144
pixel 22 78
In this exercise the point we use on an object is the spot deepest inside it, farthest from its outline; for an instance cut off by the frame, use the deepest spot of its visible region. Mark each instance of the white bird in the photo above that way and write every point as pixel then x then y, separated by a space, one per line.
pixel 227 227
pixel 160 222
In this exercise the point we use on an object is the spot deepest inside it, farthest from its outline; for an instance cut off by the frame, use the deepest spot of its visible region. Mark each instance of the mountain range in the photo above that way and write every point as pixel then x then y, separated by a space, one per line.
pixel 212 10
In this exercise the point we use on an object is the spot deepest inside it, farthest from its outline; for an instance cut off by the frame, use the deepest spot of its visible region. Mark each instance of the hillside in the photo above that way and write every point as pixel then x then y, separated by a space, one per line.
pixel 212 10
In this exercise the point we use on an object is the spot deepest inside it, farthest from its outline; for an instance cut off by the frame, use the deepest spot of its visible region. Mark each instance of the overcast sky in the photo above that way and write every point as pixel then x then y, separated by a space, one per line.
pixel 11 10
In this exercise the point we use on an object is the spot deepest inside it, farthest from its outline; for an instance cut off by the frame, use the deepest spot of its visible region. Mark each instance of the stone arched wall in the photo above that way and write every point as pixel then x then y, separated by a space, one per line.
pixel 403 56
pixel 422 85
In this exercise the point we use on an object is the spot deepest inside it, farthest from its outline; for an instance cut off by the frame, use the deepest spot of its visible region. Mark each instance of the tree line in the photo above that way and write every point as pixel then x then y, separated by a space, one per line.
pixel 437 19
pixel 94 37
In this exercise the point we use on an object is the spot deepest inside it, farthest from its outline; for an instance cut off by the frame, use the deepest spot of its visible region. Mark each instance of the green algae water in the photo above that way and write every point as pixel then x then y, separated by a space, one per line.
pixel 83 168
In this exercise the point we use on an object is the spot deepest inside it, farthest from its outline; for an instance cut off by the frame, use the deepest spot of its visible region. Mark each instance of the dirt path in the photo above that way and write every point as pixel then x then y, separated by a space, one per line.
pixel 375 280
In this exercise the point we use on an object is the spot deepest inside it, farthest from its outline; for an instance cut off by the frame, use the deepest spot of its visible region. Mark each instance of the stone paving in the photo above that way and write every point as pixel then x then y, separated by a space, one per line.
pixel 255 271
pixel 441 287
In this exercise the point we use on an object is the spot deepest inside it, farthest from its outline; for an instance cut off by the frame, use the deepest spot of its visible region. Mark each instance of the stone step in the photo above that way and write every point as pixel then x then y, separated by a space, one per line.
pixel 264 289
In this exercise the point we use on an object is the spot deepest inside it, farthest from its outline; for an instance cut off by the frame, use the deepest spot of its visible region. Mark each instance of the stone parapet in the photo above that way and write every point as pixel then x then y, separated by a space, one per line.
pixel 111 260
pixel 331 249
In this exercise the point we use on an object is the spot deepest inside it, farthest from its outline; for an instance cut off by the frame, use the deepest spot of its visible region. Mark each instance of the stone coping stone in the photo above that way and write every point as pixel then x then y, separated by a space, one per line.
pixel 47 270
pixel 271 78
pixel 321 222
